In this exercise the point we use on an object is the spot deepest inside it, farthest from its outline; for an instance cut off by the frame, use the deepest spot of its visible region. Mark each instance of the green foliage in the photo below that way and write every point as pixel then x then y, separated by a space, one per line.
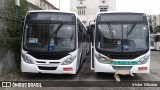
pixel 157 29
pixel 14 25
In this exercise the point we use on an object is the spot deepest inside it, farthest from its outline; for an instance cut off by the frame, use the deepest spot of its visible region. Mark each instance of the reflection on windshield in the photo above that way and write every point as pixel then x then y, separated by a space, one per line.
pixel 49 37
pixel 122 37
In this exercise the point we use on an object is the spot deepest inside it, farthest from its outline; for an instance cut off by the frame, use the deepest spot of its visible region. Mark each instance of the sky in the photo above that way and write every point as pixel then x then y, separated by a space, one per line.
pixel 146 6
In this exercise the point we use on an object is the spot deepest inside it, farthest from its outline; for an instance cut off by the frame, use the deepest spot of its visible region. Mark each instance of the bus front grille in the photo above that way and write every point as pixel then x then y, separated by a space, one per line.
pixel 47 68
pixel 44 62
pixel 122 67
pixel 122 56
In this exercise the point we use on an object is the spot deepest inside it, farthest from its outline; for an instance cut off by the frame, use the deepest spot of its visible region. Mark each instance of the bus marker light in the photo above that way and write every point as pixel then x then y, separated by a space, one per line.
pixel 67 69
pixel 142 68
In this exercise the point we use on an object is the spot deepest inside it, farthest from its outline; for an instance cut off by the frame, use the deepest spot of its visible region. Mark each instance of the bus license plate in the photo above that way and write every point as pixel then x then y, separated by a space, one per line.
pixel 123 62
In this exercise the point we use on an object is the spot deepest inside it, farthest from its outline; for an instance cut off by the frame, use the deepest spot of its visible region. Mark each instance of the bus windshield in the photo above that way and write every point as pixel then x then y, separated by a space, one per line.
pixel 39 37
pixel 122 37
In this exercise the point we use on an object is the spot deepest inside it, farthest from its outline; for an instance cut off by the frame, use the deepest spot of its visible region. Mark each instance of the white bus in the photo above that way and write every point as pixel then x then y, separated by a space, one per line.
pixel 157 41
pixel 121 42
pixel 53 42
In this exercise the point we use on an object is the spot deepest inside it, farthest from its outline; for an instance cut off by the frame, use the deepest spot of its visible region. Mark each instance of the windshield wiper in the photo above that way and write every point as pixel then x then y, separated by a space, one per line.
pixel 130 31
pixel 56 31
pixel 110 30
pixel 58 28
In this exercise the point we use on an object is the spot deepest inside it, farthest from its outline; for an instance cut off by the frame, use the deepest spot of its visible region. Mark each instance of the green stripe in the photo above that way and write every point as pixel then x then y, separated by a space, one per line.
pixel 123 62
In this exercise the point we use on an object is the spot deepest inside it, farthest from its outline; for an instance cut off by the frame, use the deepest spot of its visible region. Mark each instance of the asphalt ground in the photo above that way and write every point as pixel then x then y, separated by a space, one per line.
pixel 86 79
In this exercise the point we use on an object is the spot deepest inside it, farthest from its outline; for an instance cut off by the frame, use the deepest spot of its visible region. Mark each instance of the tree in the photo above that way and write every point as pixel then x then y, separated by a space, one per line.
pixel 157 29
pixel 14 19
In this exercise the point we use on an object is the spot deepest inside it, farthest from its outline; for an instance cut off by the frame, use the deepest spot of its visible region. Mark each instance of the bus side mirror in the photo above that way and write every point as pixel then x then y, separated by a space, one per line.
pixel 89 30
pixel 22 25
pixel 155 39
pixel 80 28
pixel 151 29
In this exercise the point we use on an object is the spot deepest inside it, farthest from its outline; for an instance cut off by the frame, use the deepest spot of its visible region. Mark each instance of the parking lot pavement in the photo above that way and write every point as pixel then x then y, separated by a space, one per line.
pixel 86 74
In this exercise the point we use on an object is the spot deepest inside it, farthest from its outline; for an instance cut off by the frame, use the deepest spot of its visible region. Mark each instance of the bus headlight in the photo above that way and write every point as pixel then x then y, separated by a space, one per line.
pixel 27 59
pixel 143 60
pixel 101 60
pixel 69 60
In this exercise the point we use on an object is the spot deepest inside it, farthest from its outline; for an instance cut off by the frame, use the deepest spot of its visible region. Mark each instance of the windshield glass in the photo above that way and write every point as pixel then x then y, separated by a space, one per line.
pixel 49 37
pixel 122 37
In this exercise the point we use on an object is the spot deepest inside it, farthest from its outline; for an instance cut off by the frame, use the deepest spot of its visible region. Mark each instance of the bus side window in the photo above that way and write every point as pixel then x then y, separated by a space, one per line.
pixel 79 34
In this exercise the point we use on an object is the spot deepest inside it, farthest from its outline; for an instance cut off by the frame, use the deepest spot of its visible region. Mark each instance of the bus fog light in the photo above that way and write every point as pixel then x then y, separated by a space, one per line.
pixel 69 60
pixel 27 59
pixel 143 60
pixel 101 60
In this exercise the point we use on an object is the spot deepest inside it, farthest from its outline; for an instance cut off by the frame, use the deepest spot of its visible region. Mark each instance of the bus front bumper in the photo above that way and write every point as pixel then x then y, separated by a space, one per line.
pixel 60 69
pixel 107 68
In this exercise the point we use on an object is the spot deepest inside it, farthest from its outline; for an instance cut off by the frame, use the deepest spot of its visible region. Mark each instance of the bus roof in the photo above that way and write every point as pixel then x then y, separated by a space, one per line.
pixel 117 12
pixel 53 11
pixel 56 11
pixel 121 12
